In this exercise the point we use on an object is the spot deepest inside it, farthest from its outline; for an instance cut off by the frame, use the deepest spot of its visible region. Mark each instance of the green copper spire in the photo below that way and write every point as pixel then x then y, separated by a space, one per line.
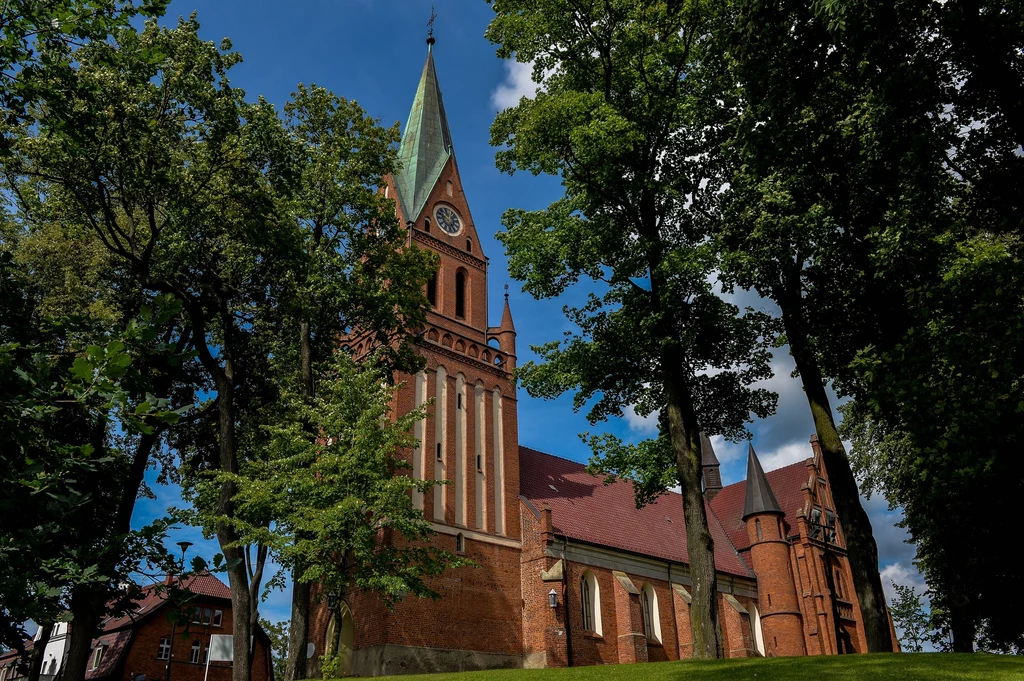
pixel 426 144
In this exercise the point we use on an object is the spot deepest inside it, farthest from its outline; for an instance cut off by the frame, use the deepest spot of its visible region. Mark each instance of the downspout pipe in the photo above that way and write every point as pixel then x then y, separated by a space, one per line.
pixel 565 600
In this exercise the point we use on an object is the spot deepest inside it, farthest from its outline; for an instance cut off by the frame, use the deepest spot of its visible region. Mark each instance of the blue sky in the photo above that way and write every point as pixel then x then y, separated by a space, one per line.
pixel 373 51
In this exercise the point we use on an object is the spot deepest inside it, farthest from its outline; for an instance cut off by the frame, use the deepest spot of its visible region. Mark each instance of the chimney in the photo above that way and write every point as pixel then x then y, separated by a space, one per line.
pixel 547 532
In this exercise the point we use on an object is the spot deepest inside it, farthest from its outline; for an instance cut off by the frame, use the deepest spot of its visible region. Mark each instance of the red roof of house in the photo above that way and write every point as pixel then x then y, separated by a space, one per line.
pixel 205 584
pixel 154 595
pixel 787 483
pixel 584 508
pixel 116 644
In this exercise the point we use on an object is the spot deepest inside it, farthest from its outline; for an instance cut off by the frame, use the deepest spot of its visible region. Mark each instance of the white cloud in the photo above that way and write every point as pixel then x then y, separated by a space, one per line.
pixel 518 84
pixel 902 574
pixel 647 425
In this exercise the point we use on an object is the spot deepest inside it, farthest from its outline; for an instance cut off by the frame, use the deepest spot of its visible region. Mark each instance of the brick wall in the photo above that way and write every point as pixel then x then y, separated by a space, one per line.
pixel 141 657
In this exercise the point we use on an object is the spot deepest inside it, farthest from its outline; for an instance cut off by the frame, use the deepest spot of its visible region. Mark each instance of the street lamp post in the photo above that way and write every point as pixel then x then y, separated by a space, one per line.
pixel 167 676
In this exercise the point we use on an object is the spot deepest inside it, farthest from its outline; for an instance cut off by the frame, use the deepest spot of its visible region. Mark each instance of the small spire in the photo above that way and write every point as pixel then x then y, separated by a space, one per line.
pixel 506 317
pixel 760 498
pixel 430 28
pixel 707 452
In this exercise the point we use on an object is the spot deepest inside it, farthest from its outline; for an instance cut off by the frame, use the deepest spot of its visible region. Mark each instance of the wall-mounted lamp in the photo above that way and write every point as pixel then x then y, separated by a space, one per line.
pixel 553 598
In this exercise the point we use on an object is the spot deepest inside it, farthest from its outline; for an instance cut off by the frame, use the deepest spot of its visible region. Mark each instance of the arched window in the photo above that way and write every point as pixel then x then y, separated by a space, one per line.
pixel 460 543
pixel 760 533
pixel 590 602
pixel 432 290
pixel 196 650
pixel 469 245
pixel 449 188
pixel 649 609
pixel 460 294
pixel 426 225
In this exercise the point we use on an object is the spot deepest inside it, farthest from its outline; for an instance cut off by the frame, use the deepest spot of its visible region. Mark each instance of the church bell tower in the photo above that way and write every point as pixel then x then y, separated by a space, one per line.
pixel 470 438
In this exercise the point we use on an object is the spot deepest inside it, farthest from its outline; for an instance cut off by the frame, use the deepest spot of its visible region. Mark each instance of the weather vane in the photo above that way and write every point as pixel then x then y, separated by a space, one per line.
pixel 430 26
pixel 506 291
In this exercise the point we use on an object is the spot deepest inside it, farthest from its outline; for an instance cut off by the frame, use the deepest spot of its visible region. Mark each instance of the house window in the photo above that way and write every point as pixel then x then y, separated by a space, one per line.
pixel 590 603
pixel 206 654
pixel 432 290
pixel 197 616
pixel 426 225
pixel 207 616
pixel 460 543
pixel 97 657
pixel 218 617
pixel 649 610
pixel 460 294
pixel 196 649
pixel 164 651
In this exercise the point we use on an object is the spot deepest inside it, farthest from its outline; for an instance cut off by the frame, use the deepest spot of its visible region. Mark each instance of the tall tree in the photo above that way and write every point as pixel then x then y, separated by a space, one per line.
pixel 357 275
pixel 800 211
pixel 180 187
pixel 629 115
pixel 339 504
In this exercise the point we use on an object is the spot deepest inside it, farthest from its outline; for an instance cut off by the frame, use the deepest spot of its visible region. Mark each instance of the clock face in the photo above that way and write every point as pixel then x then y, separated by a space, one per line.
pixel 448 219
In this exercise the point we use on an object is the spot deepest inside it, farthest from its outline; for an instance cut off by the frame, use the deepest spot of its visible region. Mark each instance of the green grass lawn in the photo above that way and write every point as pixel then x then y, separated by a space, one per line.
pixel 906 667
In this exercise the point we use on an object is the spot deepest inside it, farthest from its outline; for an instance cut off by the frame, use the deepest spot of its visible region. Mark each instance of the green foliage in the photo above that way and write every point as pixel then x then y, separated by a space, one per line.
pixel 278 634
pixel 35 36
pixel 629 137
pixel 333 498
pixel 67 418
pixel 910 619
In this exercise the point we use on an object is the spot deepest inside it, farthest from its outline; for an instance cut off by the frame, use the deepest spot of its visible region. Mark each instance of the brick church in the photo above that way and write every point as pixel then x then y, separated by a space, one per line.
pixel 569 571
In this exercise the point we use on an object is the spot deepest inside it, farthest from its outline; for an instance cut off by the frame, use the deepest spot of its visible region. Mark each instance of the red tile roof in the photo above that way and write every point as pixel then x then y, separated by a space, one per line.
pixel 787 483
pixel 205 584
pixel 154 595
pixel 584 508
pixel 115 644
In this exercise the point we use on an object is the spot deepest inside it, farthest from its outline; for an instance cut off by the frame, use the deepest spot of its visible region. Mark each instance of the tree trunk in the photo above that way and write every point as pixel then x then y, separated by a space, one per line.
pixel 35 665
pixel 298 630
pixel 963 629
pixel 234 555
pixel 860 540
pixel 86 603
pixel 684 434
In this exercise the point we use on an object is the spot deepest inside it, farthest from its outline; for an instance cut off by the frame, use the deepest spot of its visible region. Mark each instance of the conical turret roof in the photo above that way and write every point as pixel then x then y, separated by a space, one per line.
pixel 506 318
pixel 426 144
pixel 707 452
pixel 760 498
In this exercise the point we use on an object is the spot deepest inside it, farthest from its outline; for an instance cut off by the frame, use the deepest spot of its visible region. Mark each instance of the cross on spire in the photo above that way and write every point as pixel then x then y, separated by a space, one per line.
pixel 430 26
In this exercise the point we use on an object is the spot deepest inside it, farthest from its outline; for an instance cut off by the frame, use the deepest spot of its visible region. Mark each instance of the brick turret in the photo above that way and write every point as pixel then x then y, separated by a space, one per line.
pixel 779 606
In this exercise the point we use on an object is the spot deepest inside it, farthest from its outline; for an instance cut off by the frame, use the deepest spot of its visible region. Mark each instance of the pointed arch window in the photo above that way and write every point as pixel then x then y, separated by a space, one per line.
pixel 590 603
pixel 649 610
pixel 460 294
pixel 432 290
